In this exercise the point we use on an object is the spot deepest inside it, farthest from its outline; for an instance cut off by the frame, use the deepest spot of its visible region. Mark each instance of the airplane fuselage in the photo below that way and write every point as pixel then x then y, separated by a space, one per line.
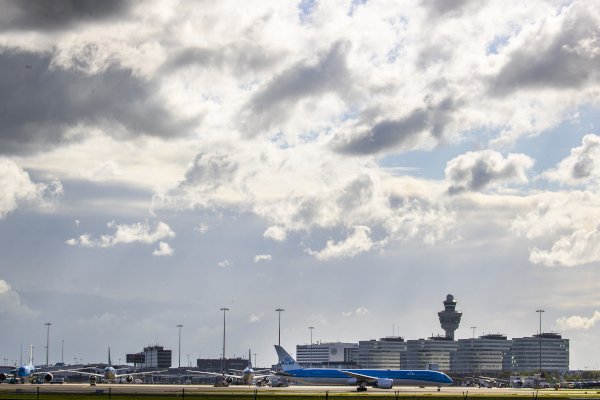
pixel 110 374
pixel 322 376
pixel 26 372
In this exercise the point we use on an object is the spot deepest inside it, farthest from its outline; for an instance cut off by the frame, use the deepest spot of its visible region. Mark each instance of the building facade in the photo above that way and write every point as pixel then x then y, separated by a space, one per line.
pixel 326 353
pixel 485 355
pixel 421 353
pixel 156 357
pixel 550 348
pixel 384 353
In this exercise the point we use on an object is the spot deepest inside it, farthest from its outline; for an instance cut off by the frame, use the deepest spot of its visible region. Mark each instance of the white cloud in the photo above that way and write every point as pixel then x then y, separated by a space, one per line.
pixel 163 250
pixel 77 222
pixel 362 311
pixel 476 171
pixel 577 322
pixel 259 257
pixel 10 304
pixel 225 263
pixel 347 314
pixel 256 318
pixel 353 245
pixel 104 172
pixel 581 166
pixel 17 188
pixel 111 223
pixel 203 228
pixel 581 247
pixel 139 232
pixel 276 233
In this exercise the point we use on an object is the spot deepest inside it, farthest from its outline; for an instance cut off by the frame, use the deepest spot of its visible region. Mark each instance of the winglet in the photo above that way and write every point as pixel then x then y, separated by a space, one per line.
pixel 286 361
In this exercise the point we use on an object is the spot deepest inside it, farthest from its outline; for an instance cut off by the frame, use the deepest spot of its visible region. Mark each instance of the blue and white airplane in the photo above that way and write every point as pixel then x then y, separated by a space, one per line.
pixel 27 372
pixel 377 378
pixel 247 377
pixel 109 373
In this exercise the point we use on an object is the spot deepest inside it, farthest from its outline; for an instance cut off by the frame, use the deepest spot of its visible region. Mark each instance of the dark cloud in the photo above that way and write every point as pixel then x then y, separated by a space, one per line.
pixel 401 133
pixel 566 61
pixel 41 15
pixel 475 171
pixel 38 103
pixel 239 58
pixel 210 171
pixel 439 8
pixel 275 102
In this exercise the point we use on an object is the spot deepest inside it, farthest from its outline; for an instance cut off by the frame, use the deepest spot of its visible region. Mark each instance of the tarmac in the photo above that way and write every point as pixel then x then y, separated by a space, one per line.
pixel 117 388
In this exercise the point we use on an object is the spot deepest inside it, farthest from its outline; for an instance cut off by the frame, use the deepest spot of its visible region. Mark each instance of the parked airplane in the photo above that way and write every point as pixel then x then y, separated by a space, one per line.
pixel 247 377
pixel 377 378
pixel 110 374
pixel 27 372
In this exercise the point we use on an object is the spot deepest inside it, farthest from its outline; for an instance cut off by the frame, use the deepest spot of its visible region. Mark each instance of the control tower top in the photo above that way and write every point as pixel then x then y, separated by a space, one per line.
pixel 450 318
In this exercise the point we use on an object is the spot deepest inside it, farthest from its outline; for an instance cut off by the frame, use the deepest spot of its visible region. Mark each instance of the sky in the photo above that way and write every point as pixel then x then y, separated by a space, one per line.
pixel 352 162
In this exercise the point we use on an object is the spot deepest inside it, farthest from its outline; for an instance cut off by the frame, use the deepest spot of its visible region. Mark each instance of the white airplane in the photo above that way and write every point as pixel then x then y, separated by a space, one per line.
pixel 109 373
pixel 27 372
pixel 246 377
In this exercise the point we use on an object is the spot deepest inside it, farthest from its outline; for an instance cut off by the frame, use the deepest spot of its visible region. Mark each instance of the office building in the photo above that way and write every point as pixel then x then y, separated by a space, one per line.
pixel 216 364
pixel 155 357
pixel 526 353
pixel 384 353
pixel 326 353
pixel 422 353
pixel 486 355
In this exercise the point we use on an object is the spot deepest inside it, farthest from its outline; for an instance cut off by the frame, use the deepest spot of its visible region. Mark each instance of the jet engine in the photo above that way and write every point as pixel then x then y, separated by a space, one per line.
pixel 266 379
pixel 229 380
pixel 48 377
pixel 93 379
pixel 129 379
pixel 3 377
pixel 384 383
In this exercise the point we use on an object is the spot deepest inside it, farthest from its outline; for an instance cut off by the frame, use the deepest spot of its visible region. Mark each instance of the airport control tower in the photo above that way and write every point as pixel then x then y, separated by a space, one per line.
pixel 450 318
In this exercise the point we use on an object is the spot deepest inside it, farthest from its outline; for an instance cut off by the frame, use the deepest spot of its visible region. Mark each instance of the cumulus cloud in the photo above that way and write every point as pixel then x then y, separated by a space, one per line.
pixel 259 257
pixel 581 247
pixel 17 188
pixel 225 264
pixel 577 322
pixel 558 213
pixel 581 166
pixel 276 233
pixel 256 318
pixel 77 222
pixel 138 232
pixel 202 228
pixel 476 171
pixel 360 311
pixel 10 304
pixel 354 244
pixel 163 250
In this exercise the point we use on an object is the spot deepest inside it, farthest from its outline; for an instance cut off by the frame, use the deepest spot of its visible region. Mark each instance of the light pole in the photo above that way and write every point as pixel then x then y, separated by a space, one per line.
pixel 473 355
pixel 279 310
pixel 223 359
pixel 47 341
pixel 540 311
pixel 180 326
pixel 188 360
pixel 75 358
pixel 311 329
pixel 119 362
pixel 62 353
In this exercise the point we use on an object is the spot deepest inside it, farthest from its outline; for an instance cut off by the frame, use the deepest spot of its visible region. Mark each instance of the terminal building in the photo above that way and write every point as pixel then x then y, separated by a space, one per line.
pixel 526 353
pixel 486 355
pixel 436 352
pixel 156 357
pixel 321 355
pixel 385 353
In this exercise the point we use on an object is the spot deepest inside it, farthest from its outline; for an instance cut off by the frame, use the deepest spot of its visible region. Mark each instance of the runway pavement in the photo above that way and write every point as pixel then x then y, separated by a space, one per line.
pixel 298 390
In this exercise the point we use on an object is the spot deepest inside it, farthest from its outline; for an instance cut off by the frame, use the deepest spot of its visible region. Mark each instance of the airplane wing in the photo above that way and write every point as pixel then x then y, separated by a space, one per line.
pixel 139 373
pixel 215 374
pixel 79 372
pixel 360 377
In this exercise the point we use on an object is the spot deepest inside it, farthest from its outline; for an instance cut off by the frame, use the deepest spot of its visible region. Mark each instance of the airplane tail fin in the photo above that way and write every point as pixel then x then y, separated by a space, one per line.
pixel 249 358
pixel 286 361
pixel 109 363
pixel 30 354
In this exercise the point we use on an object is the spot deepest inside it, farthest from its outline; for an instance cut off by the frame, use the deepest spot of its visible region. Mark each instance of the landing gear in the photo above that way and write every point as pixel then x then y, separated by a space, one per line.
pixel 439 388
pixel 361 389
